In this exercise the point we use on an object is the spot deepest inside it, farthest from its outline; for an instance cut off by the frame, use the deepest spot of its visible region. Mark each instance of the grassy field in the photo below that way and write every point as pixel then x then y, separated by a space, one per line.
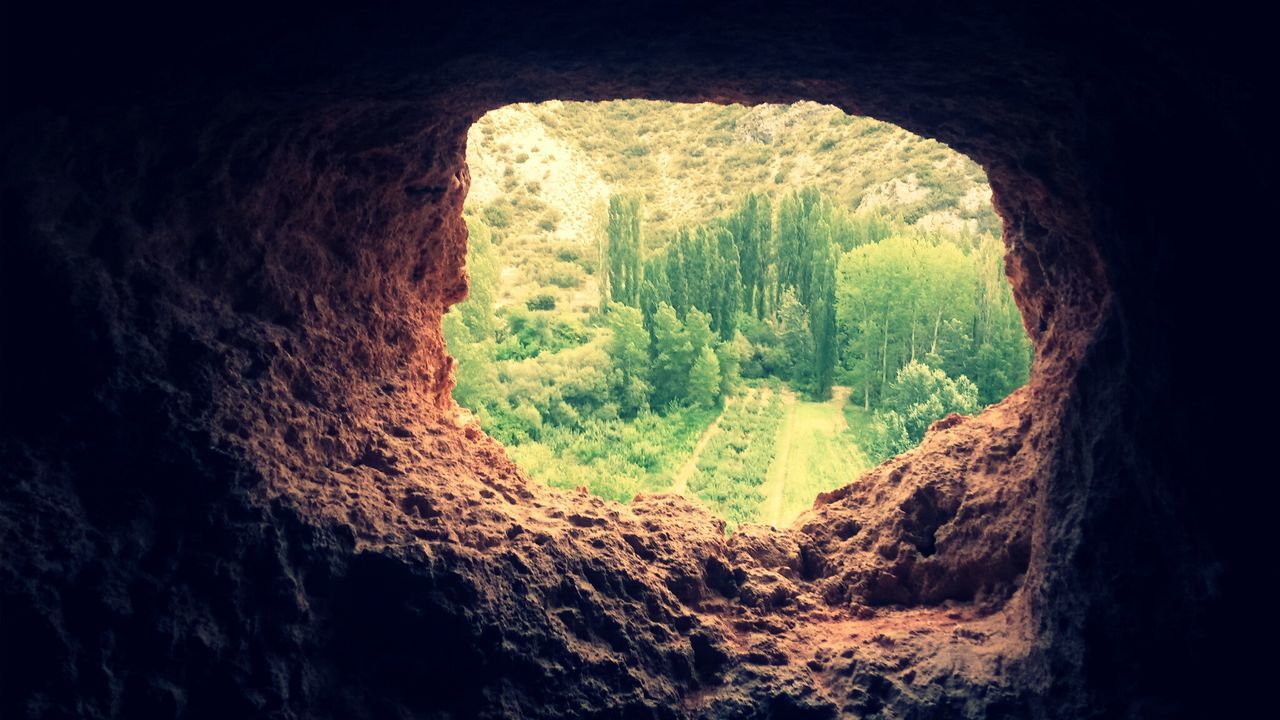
pixel 655 447
pixel 815 452
pixel 769 455
pixel 731 468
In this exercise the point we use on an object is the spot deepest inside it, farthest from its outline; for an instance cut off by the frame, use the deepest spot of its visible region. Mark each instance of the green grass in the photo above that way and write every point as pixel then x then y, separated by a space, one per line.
pixel 731 470
pixel 823 457
pixel 615 459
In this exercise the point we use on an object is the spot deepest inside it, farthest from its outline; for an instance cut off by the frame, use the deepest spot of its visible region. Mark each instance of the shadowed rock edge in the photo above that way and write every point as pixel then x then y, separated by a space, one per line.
pixel 232 480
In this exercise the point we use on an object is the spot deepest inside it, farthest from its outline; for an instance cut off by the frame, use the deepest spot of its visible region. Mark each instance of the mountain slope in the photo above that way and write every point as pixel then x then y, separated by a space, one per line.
pixel 542 174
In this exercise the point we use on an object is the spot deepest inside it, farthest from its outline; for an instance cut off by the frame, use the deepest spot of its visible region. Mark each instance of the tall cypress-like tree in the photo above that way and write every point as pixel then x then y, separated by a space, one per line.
pixel 677 281
pixel 654 289
pixel 822 322
pixel 752 229
pixel 625 247
pixel 727 283
pixel 801 241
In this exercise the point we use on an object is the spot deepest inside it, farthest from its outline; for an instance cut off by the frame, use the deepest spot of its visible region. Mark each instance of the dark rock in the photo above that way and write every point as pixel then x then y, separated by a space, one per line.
pixel 233 483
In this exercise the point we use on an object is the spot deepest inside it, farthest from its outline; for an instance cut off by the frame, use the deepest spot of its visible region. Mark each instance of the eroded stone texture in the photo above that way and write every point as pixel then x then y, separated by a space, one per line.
pixel 233 483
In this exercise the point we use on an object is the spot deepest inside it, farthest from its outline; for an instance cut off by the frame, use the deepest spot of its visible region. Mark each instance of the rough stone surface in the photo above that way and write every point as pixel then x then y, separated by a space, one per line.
pixel 231 479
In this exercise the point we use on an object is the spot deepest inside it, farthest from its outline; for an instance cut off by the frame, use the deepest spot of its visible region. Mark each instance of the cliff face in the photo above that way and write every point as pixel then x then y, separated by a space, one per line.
pixel 232 485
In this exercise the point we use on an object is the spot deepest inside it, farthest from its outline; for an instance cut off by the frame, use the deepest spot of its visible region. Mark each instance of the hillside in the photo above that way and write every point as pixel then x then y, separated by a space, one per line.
pixel 542 174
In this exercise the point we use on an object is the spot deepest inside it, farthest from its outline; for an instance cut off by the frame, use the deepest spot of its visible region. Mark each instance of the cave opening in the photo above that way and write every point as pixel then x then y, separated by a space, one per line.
pixel 234 484
pixel 748 305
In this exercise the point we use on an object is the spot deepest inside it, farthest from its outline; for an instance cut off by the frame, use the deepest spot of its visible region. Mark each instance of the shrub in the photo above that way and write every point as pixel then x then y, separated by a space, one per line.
pixel 550 220
pixel 564 275
pixel 497 216
pixel 542 301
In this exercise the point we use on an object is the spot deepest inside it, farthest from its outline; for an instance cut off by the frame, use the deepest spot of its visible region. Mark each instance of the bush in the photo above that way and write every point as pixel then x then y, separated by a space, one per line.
pixel 550 220
pixel 541 302
pixel 497 216
pixel 564 275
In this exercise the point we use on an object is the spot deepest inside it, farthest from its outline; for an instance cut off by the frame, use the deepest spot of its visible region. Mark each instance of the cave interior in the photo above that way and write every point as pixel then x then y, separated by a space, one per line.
pixel 232 482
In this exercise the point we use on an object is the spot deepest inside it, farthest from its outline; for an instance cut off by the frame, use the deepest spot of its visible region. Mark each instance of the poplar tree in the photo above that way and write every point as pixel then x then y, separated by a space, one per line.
pixel 752 229
pixel 727 284
pixel 624 250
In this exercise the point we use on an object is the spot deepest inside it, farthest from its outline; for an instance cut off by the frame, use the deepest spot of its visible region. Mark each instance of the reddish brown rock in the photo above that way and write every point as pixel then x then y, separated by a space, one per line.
pixel 232 482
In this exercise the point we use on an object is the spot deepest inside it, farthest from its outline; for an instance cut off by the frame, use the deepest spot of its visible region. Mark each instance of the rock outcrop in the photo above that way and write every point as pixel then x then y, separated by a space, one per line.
pixel 232 483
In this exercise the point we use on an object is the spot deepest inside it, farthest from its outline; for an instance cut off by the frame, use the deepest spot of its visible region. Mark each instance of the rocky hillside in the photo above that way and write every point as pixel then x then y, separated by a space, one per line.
pixel 542 174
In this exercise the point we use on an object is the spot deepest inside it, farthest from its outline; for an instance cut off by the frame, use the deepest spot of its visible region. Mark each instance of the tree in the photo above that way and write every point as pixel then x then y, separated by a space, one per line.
pixel 672 357
pixel 728 353
pixel 704 379
pixel 654 289
pixel 697 330
pixel 1001 354
pixel 822 323
pixel 877 290
pixel 726 284
pixel 918 396
pixel 629 353
pixel 624 251
pixel 751 227
pixel 795 339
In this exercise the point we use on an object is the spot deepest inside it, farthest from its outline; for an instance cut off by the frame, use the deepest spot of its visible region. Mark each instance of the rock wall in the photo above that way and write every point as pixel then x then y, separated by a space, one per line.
pixel 231 479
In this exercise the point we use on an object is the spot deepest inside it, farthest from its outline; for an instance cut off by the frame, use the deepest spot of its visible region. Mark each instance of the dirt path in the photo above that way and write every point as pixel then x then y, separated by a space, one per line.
pixel 681 484
pixel 792 450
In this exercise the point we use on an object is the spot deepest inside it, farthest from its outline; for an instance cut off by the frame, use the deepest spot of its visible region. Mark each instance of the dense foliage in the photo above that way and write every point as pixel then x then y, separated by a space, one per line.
pixel 606 375
pixel 917 397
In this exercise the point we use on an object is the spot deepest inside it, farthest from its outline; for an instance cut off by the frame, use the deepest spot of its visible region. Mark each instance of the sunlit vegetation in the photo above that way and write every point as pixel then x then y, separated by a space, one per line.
pixel 838 293
pixel 731 470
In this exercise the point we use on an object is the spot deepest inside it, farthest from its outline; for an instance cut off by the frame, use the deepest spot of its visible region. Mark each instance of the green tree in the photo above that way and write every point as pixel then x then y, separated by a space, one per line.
pixel 697 330
pixel 629 354
pixel 672 357
pixel 875 288
pixel 726 283
pixel 704 379
pixel 822 324
pixel 751 227
pixel 795 339
pixel 1001 353
pixel 918 397
pixel 728 353
pixel 624 251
